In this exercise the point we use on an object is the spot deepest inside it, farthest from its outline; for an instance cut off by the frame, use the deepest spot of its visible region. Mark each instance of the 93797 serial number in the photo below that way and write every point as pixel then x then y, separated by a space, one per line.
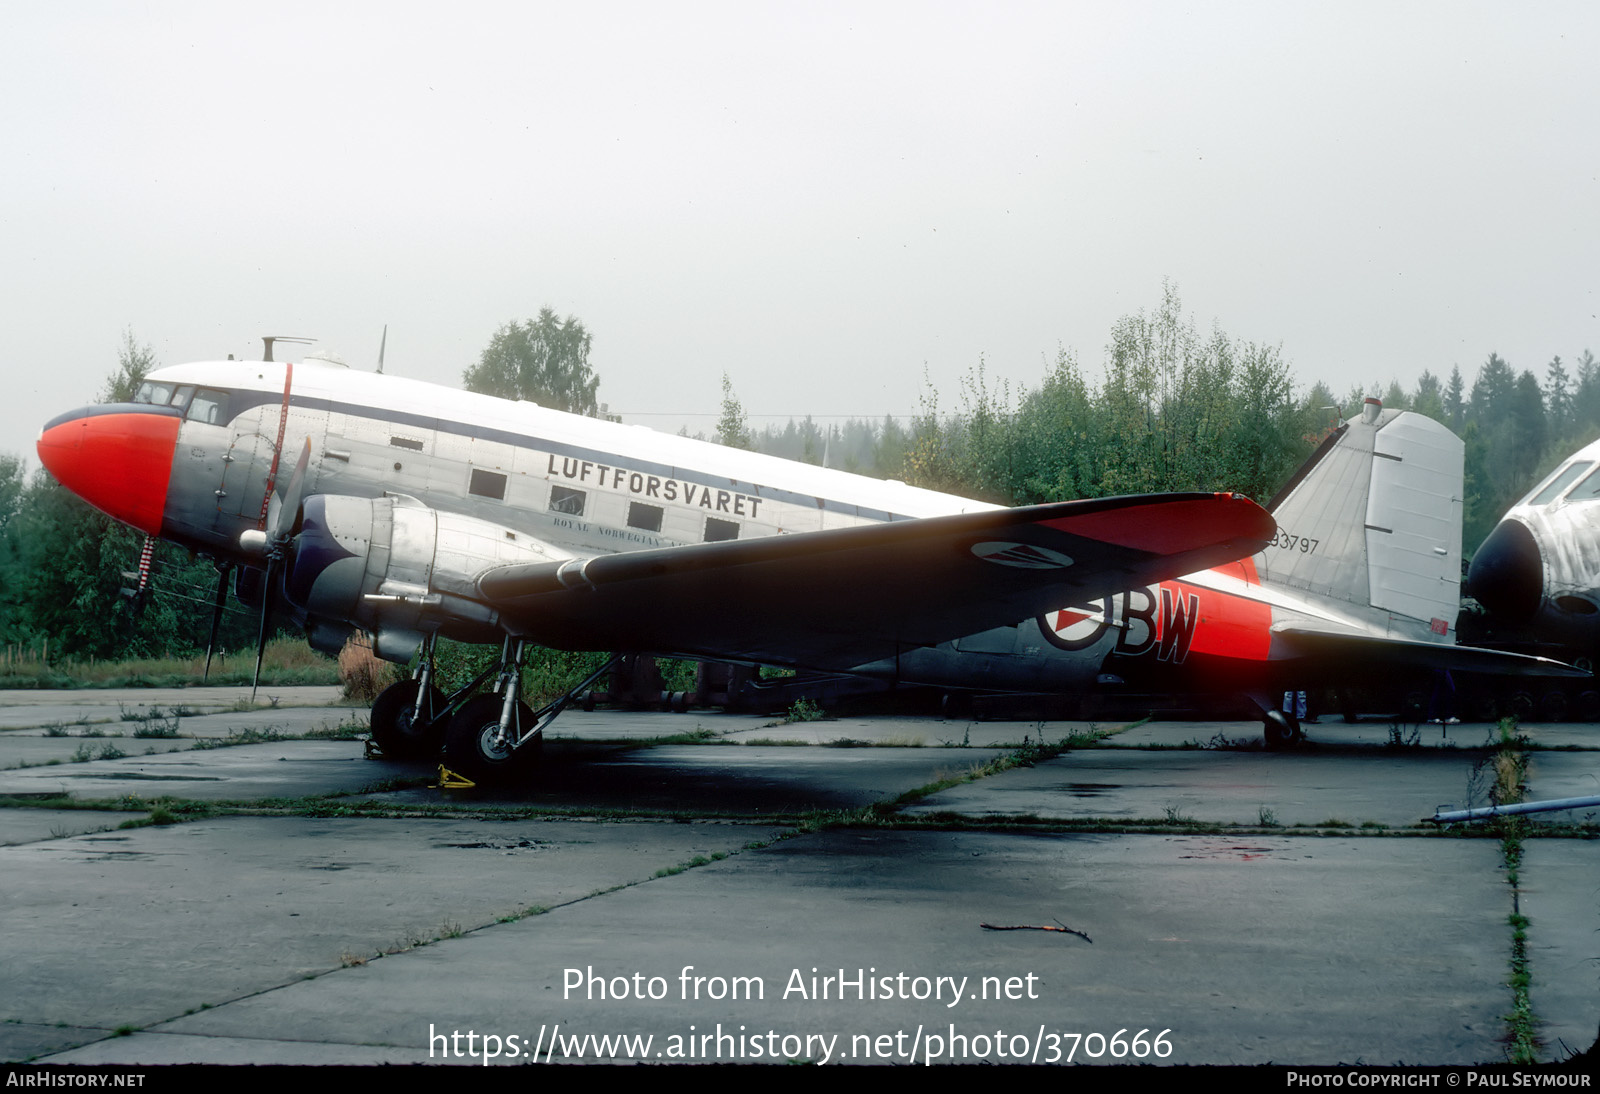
pixel 1304 544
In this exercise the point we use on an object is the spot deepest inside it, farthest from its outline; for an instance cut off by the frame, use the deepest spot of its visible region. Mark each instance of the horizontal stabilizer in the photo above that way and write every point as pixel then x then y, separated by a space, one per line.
pixel 1339 653
pixel 842 597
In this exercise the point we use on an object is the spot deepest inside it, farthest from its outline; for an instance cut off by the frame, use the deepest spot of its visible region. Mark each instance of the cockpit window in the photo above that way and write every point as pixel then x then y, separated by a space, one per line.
pixel 208 406
pixel 1555 486
pixel 155 393
pixel 1588 489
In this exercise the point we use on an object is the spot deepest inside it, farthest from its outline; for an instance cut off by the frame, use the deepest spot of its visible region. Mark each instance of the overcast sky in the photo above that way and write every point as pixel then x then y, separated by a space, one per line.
pixel 823 201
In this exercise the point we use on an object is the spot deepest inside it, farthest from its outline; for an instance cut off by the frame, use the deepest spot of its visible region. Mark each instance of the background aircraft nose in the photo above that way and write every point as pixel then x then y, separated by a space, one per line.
pixel 117 459
pixel 1507 574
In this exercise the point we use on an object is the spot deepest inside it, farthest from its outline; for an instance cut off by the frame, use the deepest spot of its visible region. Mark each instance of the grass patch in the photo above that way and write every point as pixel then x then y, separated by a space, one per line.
pixel 288 662
pixel 1510 769
pixel 805 710
pixel 699 735
pixel 352 730
pixel 1522 1041
pixel 242 737
pixel 155 722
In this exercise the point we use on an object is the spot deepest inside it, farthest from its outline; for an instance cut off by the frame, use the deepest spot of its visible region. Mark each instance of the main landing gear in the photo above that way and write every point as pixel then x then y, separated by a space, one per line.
pixel 486 738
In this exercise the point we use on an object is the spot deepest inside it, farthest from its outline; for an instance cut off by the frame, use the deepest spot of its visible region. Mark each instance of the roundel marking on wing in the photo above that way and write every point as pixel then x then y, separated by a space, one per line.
pixel 1021 556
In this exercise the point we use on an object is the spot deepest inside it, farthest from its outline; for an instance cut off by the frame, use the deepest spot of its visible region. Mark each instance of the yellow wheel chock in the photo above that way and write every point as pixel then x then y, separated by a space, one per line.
pixel 450 780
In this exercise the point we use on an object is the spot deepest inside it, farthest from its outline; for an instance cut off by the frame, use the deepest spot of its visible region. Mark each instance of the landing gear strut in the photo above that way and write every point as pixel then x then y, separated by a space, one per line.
pixel 490 736
pixel 409 719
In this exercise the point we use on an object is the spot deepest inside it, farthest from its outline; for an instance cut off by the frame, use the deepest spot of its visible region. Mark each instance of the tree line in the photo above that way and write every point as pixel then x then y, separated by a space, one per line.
pixel 1178 409
pixel 1173 408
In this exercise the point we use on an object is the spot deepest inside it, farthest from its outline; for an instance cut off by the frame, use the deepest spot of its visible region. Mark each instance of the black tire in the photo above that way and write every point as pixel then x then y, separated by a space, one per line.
pixel 1587 706
pixel 1483 706
pixel 396 728
pixel 1279 730
pixel 1554 706
pixel 1520 706
pixel 468 748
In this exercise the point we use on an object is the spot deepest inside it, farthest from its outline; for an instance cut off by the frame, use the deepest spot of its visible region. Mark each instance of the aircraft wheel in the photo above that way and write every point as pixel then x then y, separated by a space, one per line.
pixel 1553 706
pixel 1483 706
pixel 1520 706
pixel 1587 707
pixel 395 725
pixel 1280 730
pixel 469 743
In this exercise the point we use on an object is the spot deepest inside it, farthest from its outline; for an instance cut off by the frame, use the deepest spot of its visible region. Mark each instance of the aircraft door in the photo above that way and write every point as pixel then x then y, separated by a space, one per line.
pixel 242 484
pixel 247 465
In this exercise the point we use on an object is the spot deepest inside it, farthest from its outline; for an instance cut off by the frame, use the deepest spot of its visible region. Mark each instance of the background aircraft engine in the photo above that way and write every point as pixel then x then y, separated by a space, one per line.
pixel 399 569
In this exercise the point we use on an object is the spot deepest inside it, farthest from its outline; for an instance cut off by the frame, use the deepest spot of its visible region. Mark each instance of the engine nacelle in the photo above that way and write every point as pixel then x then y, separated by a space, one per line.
pixel 398 569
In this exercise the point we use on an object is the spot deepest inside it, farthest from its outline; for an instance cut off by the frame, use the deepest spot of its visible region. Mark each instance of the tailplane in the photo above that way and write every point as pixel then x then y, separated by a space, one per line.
pixel 1373 520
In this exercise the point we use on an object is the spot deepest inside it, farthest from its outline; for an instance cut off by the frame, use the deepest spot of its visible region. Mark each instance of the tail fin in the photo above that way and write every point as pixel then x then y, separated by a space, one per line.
pixel 1373 519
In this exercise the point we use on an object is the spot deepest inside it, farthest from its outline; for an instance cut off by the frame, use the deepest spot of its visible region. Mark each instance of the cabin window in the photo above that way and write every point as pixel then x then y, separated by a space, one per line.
pixel 208 406
pixel 564 499
pixel 719 530
pixel 1558 484
pixel 644 517
pixel 406 442
pixel 492 484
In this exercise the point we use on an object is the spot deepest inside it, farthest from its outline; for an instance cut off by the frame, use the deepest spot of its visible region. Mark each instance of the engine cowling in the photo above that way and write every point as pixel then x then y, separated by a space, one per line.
pixel 396 567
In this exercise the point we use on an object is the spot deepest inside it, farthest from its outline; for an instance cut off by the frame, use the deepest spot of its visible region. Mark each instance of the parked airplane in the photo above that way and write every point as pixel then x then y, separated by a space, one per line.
pixel 416 511
pixel 1361 583
pixel 1539 569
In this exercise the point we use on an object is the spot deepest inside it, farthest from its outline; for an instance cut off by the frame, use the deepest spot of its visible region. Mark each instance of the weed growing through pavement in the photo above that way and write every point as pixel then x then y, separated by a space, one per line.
pixel 805 710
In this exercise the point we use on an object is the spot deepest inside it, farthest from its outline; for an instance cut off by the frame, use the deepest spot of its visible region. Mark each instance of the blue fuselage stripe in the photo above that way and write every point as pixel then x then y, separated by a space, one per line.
pixel 241 400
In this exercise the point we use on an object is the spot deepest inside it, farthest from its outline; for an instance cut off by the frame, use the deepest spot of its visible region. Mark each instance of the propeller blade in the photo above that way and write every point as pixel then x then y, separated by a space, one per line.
pixel 216 618
pixel 290 508
pixel 382 345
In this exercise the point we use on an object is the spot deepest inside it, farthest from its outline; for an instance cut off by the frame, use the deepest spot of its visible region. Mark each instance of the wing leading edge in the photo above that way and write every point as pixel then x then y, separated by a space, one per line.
pixel 843 597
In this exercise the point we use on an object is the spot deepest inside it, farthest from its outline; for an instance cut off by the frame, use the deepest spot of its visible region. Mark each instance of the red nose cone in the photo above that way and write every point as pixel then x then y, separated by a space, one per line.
pixel 118 462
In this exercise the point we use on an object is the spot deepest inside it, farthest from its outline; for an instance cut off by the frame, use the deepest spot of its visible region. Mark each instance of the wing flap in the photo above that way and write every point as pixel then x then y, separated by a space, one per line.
pixel 838 598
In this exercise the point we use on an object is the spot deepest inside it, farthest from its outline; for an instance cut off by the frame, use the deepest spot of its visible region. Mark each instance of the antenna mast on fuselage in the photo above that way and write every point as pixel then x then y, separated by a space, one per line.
pixel 268 339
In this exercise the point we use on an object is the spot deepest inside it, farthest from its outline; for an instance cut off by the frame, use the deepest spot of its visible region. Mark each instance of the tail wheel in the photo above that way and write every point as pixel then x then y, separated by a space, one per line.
pixel 471 745
pixel 397 728
pixel 1280 730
